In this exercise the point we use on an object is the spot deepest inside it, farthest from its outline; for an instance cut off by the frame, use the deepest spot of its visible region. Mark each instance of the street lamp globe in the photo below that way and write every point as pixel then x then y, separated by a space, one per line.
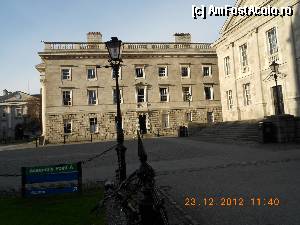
pixel 274 67
pixel 114 48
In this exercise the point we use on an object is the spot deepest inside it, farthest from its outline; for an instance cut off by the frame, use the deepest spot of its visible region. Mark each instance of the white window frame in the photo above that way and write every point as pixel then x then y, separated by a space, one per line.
pixel 96 96
pixel 120 73
pixel 227 66
pixel 269 44
pixel 69 77
pixel 188 71
pixel 145 93
pixel 184 95
pixel 209 70
pixel 70 102
pixel 95 72
pixel 165 74
pixel 247 94
pixel 143 70
pixel 244 59
pixel 213 116
pixel 229 99
pixel 165 123
pixel 68 121
pixel 211 92
pixel 165 94
pixel 93 125
pixel 114 95
pixel 189 116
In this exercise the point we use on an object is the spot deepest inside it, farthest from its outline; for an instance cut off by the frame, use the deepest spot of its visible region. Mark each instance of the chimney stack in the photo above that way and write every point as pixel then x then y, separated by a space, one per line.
pixel 183 38
pixel 94 37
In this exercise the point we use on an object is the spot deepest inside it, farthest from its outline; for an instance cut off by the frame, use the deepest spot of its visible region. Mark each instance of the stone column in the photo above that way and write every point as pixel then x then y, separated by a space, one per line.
pixel 235 82
pixel 43 84
pixel 9 120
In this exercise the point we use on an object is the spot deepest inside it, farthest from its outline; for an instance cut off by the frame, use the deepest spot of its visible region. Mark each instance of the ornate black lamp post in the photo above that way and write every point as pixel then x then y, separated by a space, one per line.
pixel 274 68
pixel 114 49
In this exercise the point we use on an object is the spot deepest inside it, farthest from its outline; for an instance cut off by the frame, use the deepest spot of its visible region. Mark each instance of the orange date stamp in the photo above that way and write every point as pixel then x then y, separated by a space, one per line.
pixel 193 202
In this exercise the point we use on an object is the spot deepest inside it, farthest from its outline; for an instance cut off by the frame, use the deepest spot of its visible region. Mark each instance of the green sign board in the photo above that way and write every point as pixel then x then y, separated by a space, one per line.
pixel 42 170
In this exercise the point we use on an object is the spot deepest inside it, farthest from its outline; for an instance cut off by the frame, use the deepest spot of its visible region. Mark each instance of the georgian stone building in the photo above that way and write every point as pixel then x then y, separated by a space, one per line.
pixel 246 48
pixel 163 86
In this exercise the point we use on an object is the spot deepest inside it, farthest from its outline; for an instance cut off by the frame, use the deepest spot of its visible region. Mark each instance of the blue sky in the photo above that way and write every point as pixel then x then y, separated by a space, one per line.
pixel 23 24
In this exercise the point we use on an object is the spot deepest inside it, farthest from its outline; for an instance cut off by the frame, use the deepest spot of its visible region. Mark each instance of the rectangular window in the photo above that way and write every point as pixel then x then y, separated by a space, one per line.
pixel 229 99
pixel 93 125
pixel 206 70
pixel 165 120
pixel 91 73
pixel 185 71
pixel 188 117
pixel 247 94
pixel 113 73
pixel 66 73
pixel 227 65
pixel 67 98
pixel 209 93
pixel 244 57
pixel 186 94
pixel 141 95
pixel 164 95
pixel 139 72
pixel 272 41
pixel 67 126
pixel 19 112
pixel 92 97
pixel 162 71
pixel 4 112
pixel 210 117
pixel 115 96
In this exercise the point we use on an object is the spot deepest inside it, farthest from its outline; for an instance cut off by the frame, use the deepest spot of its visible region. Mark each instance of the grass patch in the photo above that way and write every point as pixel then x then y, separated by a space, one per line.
pixel 67 209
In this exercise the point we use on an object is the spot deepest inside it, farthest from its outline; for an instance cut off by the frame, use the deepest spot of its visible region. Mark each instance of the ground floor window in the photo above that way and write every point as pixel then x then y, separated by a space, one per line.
pixel 93 125
pixel 165 120
pixel 67 126
pixel 188 117
pixel 210 117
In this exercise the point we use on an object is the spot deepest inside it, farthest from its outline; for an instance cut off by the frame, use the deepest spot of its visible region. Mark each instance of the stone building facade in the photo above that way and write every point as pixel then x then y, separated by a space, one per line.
pixel 246 48
pixel 14 114
pixel 163 86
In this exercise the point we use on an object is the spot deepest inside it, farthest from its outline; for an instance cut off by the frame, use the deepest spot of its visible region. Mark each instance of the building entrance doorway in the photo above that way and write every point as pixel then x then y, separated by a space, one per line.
pixel 278 100
pixel 142 123
pixel 19 132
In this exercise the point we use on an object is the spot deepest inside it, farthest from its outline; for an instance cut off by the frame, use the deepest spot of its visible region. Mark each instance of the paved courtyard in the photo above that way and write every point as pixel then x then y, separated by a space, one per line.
pixel 236 175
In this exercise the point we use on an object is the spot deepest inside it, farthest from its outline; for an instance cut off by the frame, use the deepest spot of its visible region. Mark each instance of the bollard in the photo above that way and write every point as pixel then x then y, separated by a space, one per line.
pixel 158 135
pixel 91 137
pixel 36 142
pixel 64 139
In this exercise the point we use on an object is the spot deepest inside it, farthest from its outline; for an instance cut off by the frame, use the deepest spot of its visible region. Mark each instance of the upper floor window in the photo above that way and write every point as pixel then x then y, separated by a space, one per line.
pixel 187 93
pixel 272 41
pixel 67 97
pixel 247 94
pixel 162 71
pixel 92 97
pixel 209 92
pixel 115 96
pixel 185 71
pixel 141 94
pixel 139 72
pixel 206 70
pixel 67 126
pixel 93 125
pixel 113 73
pixel 229 99
pixel 91 73
pixel 19 112
pixel 66 73
pixel 244 57
pixel 164 94
pixel 227 65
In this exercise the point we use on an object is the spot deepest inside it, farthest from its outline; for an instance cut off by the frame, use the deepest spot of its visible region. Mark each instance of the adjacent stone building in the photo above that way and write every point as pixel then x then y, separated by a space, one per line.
pixel 246 48
pixel 163 86
pixel 14 114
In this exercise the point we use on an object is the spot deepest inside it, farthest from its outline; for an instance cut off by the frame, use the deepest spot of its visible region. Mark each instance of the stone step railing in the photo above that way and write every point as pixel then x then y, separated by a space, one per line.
pixel 57 46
